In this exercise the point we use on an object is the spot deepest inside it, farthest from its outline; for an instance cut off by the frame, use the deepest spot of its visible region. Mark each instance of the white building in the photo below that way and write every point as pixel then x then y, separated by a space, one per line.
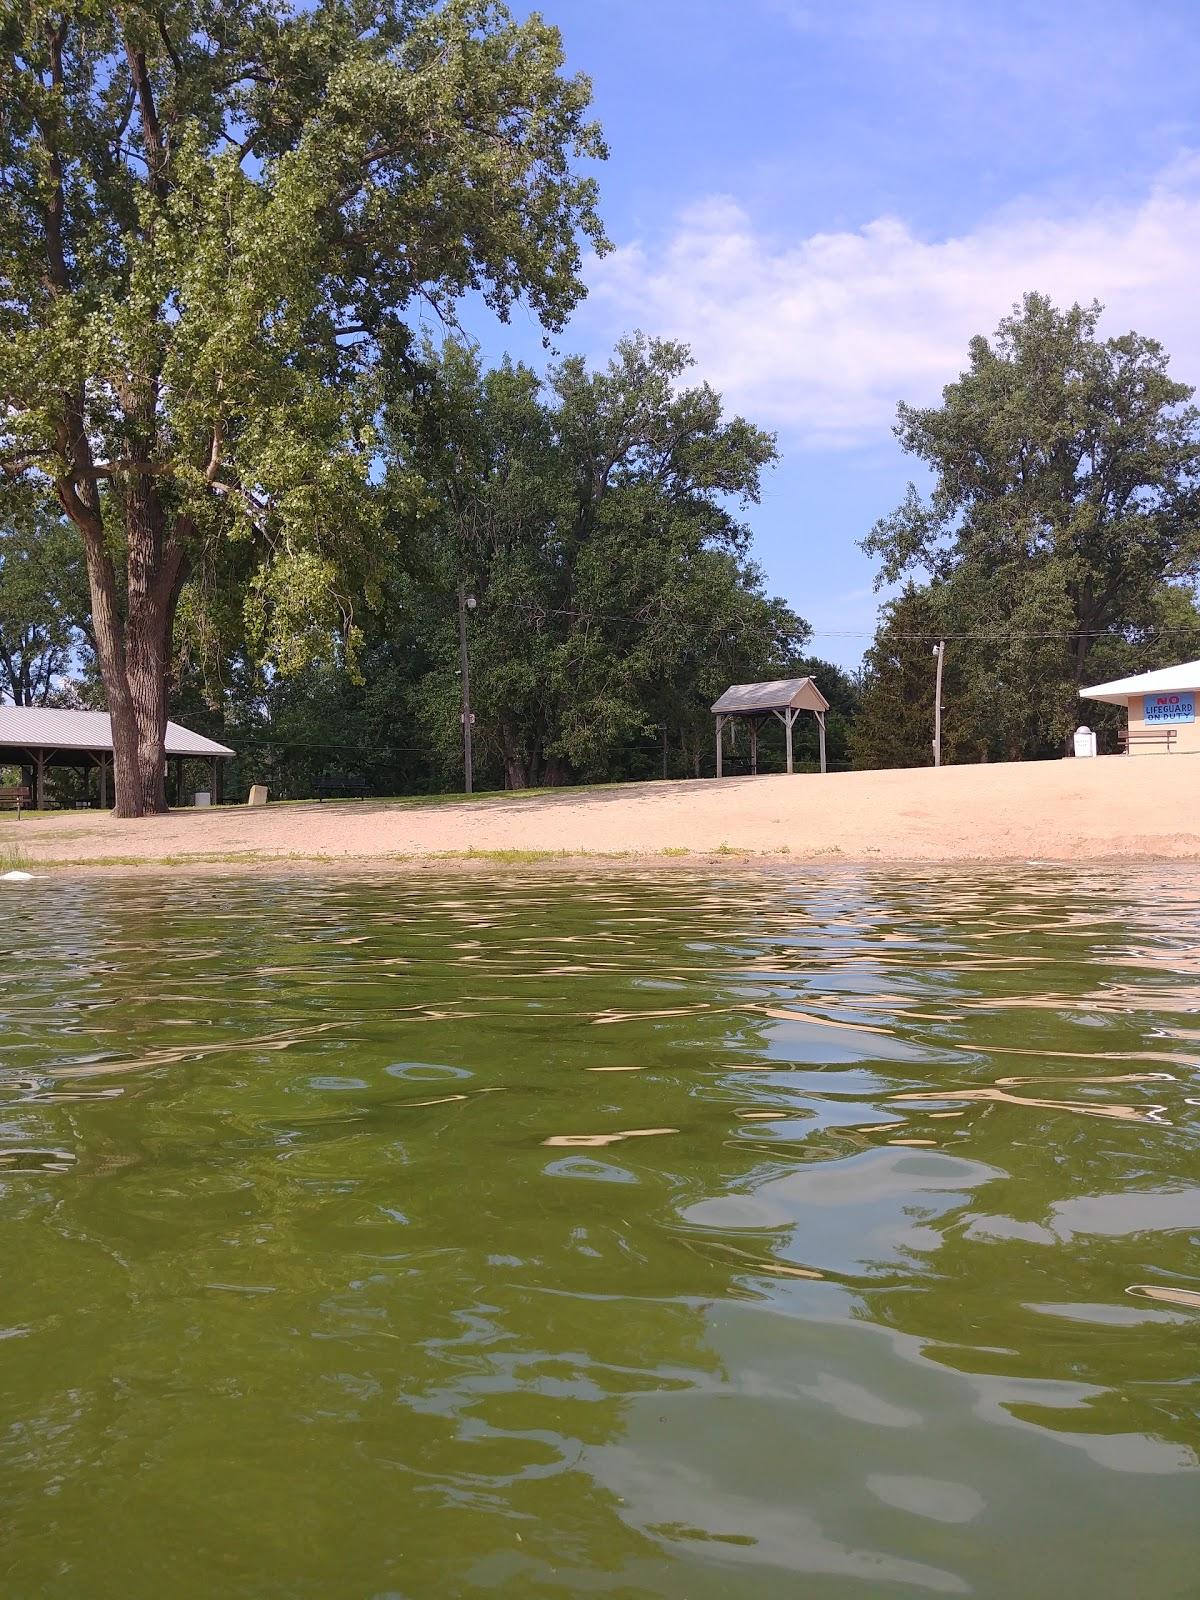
pixel 1161 707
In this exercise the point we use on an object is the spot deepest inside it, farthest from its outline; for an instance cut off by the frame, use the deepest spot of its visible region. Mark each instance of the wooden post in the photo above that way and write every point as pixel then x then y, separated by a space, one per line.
pixel 103 782
pixel 464 663
pixel 789 716
pixel 39 779
pixel 753 749
pixel 940 653
pixel 821 726
pixel 720 725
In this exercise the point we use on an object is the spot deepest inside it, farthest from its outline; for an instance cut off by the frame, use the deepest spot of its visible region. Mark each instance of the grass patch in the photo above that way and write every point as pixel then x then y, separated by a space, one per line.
pixel 13 859
pixel 676 850
pixel 516 858
pixel 202 858
pixel 416 802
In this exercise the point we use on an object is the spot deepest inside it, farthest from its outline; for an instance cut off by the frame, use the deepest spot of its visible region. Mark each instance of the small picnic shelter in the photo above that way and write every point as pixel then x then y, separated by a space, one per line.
pixel 36 738
pixel 757 703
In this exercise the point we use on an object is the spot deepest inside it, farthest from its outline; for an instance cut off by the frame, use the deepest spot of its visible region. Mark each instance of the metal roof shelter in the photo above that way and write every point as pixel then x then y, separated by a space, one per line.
pixel 1167 680
pixel 755 703
pixel 37 737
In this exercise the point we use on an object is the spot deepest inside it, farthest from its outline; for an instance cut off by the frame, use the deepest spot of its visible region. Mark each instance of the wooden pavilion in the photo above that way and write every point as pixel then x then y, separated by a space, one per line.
pixel 37 737
pixel 756 703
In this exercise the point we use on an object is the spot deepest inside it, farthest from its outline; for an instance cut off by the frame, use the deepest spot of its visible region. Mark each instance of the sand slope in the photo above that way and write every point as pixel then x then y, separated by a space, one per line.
pixel 1057 810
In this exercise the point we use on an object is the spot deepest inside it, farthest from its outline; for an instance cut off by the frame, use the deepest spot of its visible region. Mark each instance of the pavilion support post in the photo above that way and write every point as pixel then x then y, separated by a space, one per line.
pixel 104 783
pixel 39 779
pixel 821 729
pixel 216 776
pixel 754 749
pixel 720 726
pixel 789 717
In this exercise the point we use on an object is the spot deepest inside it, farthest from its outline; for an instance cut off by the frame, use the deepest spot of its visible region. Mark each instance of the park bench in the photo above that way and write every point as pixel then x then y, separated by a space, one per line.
pixel 1154 738
pixel 14 794
pixel 341 786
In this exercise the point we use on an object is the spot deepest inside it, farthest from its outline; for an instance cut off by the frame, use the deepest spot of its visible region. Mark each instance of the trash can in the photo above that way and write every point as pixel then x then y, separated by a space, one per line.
pixel 1085 742
pixel 202 797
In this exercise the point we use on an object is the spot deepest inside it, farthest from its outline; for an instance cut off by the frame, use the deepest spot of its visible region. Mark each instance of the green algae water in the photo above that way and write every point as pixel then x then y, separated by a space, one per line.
pixel 781 1234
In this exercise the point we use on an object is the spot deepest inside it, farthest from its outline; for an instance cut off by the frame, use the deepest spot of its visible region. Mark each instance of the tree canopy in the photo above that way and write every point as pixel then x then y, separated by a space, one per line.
pixel 43 604
pixel 595 518
pixel 1064 518
pixel 218 222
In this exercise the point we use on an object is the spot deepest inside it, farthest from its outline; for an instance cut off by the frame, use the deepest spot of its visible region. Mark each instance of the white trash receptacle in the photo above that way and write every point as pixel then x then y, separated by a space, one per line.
pixel 1085 742
pixel 258 795
pixel 202 797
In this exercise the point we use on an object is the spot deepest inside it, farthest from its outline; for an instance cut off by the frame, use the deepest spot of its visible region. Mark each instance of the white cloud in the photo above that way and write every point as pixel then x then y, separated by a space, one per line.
pixel 821 336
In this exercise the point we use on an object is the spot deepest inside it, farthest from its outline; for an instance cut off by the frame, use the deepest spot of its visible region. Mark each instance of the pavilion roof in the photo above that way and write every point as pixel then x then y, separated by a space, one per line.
pixel 47 728
pixel 780 695
pixel 1166 680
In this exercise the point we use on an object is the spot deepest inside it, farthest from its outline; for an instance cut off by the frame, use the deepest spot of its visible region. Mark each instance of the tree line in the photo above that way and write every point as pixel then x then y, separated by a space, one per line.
pixel 242 487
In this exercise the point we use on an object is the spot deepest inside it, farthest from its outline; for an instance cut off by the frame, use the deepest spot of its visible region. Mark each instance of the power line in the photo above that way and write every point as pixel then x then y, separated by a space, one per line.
pixel 536 610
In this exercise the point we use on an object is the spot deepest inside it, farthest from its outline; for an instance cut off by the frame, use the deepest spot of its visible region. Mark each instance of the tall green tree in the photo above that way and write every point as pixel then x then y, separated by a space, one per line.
pixel 1066 497
pixel 894 724
pixel 43 604
pixel 596 518
pixel 216 222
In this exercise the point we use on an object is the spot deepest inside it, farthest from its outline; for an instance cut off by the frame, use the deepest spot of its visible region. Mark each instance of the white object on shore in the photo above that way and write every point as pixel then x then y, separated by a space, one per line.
pixel 202 797
pixel 1085 741
pixel 258 795
pixel 17 877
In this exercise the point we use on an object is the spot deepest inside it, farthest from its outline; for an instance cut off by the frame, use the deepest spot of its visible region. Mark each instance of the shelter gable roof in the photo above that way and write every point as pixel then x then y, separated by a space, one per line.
pixel 47 728
pixel 1166 680
pixel 779 695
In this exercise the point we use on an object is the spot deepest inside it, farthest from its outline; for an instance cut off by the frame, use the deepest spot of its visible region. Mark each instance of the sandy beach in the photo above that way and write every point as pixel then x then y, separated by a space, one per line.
pixel 1068 810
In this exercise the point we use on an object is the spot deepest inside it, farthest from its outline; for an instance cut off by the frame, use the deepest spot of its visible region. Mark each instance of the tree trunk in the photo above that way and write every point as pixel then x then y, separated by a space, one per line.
pixel 110 655
pixel 515 774
pixel 134 651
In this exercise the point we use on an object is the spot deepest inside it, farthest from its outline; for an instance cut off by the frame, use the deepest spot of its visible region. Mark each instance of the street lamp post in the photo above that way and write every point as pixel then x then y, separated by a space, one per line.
pixel 466 602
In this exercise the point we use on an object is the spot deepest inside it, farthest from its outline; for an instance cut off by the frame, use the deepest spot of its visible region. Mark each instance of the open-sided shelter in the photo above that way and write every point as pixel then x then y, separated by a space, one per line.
pixel 38 737
pixel 1161 707
pixel 756 703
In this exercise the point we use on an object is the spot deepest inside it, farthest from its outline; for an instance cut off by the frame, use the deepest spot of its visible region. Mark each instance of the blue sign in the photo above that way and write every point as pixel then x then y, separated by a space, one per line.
pixel 1158 708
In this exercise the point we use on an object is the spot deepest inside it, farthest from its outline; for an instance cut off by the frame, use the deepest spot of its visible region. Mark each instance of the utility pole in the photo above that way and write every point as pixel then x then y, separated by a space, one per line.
pixel 466 602
pixel 939 651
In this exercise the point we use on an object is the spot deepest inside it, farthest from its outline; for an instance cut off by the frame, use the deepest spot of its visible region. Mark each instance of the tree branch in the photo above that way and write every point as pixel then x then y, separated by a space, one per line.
pixel 151 131
pixel 260 509
pixel 214 455
pixel 168 46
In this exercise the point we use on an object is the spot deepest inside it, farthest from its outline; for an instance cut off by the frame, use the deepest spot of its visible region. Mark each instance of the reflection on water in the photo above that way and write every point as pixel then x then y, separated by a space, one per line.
pixel 674 1236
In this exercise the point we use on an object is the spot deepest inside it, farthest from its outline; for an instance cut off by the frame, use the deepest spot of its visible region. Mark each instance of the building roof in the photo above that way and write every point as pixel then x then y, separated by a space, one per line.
pixel 782 694
pixel 1167 680
pixel 41 728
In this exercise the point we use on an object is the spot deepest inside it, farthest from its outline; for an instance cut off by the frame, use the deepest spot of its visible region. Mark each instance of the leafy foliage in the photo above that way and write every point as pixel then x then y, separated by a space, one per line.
pixel 43 606
pixel 1065 507
pixel 218 221
pixel 595 520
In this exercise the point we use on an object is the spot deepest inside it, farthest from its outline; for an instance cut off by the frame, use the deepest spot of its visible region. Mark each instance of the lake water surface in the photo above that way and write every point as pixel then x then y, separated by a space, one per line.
pixel 777 1235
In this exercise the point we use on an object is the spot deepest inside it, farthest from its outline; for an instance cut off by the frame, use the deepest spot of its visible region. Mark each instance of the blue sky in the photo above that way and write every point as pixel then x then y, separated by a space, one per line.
pixel 826 200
